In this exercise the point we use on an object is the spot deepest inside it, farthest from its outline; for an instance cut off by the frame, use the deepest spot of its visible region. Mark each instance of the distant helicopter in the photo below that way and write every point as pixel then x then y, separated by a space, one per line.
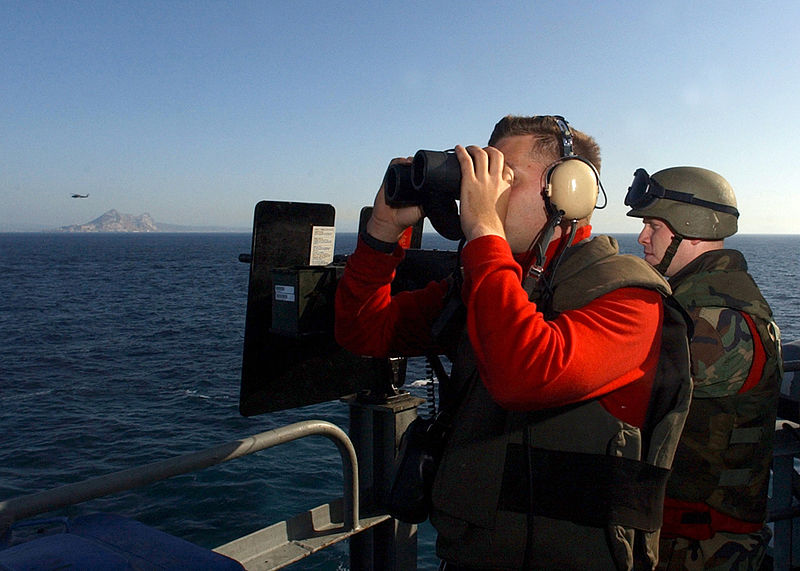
pixel 80 196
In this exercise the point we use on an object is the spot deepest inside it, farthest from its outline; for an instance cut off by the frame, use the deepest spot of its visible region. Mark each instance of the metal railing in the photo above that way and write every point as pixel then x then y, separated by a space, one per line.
pixel 22 507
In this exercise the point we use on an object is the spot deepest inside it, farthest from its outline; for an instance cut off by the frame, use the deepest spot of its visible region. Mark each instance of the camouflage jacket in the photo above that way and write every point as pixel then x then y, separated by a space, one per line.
pixel 724 455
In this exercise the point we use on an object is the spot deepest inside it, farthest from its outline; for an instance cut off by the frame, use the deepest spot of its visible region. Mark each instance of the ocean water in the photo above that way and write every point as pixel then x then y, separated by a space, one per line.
pixel 122 349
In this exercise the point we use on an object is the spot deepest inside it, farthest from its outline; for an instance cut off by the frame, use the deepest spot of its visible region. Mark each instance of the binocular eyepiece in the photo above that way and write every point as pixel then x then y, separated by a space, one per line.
pixel 430 172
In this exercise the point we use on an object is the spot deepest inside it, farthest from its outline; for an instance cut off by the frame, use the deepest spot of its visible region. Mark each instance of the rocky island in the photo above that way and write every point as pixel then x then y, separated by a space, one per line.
pixel 114 221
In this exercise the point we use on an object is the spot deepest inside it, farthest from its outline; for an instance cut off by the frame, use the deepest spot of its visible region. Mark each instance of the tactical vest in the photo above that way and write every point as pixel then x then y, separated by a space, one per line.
pixel 727 441
pixel 573 487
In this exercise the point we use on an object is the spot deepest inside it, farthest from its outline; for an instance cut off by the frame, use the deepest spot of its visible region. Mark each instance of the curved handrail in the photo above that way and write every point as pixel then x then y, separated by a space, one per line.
pixel 22 507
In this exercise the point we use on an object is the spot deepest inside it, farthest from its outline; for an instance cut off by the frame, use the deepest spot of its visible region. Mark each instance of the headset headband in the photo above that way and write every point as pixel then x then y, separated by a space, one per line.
pixel 566 136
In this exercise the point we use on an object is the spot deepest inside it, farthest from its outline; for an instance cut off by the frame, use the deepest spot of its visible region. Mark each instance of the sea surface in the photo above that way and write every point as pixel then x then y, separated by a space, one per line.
pixel 122 349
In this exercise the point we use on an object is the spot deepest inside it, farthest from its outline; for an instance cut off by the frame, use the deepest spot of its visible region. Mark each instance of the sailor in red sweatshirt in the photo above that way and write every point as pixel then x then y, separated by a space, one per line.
pixel 573 368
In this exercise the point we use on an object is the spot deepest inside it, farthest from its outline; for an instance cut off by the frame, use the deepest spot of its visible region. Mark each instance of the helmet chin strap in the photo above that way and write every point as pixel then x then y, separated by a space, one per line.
pixel 666 259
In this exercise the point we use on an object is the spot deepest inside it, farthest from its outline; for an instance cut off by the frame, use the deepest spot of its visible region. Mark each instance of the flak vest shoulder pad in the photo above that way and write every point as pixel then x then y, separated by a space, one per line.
pixel 596 268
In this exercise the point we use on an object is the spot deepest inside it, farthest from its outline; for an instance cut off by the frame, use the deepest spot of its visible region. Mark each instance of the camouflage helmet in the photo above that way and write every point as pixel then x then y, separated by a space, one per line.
pixel 695 202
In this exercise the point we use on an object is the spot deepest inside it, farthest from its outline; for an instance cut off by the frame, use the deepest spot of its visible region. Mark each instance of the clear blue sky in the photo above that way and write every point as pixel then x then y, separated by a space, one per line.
pixel 194 111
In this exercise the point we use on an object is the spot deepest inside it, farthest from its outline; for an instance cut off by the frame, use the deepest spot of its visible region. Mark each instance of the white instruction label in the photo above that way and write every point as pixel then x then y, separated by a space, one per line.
pixel 322 242
pixel 284 293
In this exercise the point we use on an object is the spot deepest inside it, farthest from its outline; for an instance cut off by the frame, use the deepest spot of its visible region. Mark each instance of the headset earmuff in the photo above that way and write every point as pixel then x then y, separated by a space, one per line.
pixel 572 186
pixel 572 183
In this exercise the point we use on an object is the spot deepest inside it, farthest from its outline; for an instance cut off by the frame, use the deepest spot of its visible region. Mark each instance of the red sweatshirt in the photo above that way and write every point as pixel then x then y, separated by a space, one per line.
pixel 607 349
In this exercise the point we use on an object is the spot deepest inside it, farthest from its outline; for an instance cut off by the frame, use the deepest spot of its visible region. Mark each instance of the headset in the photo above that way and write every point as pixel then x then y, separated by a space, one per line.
pixel 570 187
pixel 571 184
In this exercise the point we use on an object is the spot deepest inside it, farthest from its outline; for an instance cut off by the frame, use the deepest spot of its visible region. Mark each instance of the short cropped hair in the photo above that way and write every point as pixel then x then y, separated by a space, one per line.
pixel 547 137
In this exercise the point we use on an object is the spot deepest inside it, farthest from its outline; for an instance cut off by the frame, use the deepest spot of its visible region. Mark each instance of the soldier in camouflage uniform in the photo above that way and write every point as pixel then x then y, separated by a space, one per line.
pixel 716 503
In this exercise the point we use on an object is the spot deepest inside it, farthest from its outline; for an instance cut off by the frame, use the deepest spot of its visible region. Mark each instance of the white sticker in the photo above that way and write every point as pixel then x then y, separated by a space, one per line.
pixel 284 293
pixel 322 242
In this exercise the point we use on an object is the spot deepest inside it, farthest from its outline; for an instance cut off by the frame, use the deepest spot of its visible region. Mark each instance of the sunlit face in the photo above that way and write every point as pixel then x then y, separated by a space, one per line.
pixel 526 214
pixel 656 236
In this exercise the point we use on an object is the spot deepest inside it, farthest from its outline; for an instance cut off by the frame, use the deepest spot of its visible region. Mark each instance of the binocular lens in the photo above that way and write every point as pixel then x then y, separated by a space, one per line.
pixel 398 189
pixel 431 172
pixel 437 171
pixel 433 181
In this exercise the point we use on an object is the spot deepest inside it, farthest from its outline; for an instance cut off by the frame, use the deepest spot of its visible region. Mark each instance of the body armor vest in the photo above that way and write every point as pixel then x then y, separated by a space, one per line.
pixel 566 488
pixel 724 455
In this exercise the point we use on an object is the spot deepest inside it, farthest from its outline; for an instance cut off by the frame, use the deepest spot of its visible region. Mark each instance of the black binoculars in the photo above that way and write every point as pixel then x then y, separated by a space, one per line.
pixel 430 172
